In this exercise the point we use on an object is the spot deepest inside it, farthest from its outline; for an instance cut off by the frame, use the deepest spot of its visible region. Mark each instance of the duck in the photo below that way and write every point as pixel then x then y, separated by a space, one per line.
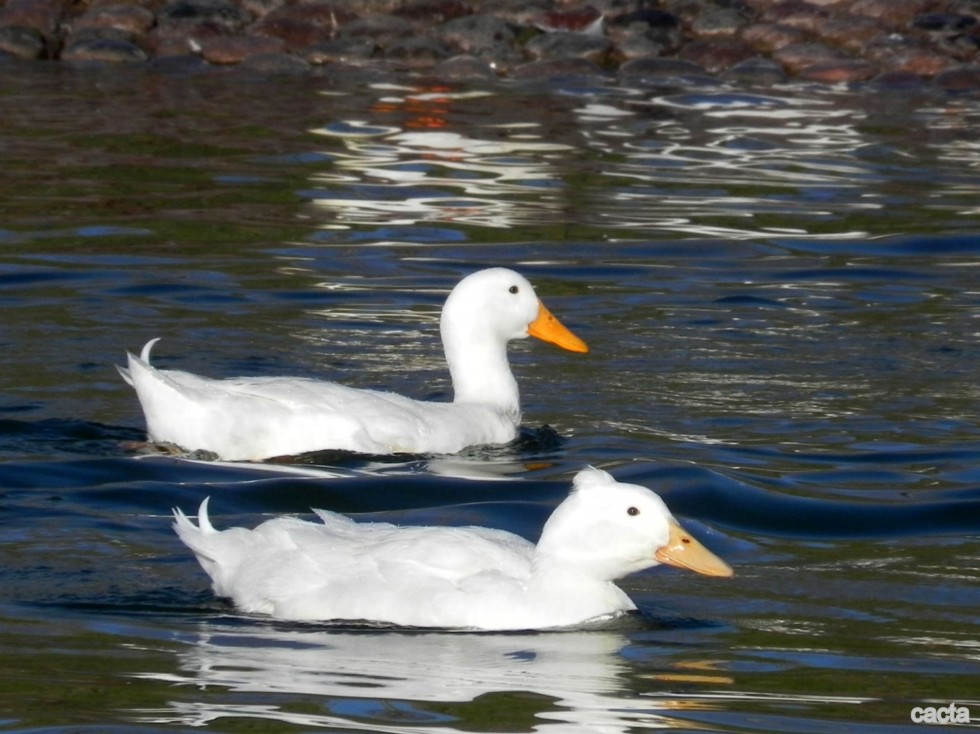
pixel 260 418
pixel 459 578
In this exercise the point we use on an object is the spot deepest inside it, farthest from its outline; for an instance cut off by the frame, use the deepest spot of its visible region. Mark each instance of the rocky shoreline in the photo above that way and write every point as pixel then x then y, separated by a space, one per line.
pixel 895 42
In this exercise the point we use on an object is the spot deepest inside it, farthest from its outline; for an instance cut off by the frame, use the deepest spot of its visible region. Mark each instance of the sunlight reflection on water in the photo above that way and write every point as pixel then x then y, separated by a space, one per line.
pixel 674 169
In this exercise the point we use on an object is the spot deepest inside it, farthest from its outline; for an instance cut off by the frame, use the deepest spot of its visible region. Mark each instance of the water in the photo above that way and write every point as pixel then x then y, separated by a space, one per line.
pixel 781 292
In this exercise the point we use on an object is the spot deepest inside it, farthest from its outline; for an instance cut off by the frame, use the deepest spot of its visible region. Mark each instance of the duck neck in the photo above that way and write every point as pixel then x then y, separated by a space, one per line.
pixel 481 374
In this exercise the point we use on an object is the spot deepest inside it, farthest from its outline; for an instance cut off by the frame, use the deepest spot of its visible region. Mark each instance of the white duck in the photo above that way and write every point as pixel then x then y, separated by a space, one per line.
pixel 445 577
pixel 255 418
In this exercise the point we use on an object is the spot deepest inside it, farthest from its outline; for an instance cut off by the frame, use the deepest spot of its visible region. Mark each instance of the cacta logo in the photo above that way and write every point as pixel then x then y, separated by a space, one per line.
pixel 951 714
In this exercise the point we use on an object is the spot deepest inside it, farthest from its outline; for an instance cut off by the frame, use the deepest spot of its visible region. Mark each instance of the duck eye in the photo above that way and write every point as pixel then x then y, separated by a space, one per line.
pixel 633 511
pixel 514 289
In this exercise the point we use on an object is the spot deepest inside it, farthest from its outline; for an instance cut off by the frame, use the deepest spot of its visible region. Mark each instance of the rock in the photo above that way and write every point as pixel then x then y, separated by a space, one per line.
pixel 22 42
pixel 132 19
pixel 431 12
pixel 959 78
pixel 722 23
pixel 767 37
pixel 892 13
pixel 417 52
pixel 757 70
pixel 43 16
pixel 221 13
pixel 342 51
pixel 464 68
pixel 851 32
pixel 718 54
pixel 944 21
pixel 478 35
pixel 898 81
pixel 798 56
pixel 176 39
pixel 306 23
pixel 384 30
pixel 836 72
pixel 638 46
pixel 235 49
pixel 586 20
pixel 103 46
pixel 803 16
pixel 649 18
pixel 641 34
pixel 565 45
pixel 900 54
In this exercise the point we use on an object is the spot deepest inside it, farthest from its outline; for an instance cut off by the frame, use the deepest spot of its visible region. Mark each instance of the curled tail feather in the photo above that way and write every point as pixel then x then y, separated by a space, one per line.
pixel 144 356
pixel 195 536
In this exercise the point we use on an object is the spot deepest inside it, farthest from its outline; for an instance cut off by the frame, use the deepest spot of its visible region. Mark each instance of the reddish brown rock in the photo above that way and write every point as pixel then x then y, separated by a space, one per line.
pixel 836 72
pixel 129 18
pixel 801 15
pixel 718 54
pixel 767 37
pixel 585 19
pixel 42 15
pixel 851 32
pixel 799 56
pixel 959 78
pixel 432 12
pixel 305 23
pixel 893 13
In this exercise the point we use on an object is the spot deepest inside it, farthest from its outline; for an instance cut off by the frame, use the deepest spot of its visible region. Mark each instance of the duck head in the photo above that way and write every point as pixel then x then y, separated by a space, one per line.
pixel 610 529
pixel 499 304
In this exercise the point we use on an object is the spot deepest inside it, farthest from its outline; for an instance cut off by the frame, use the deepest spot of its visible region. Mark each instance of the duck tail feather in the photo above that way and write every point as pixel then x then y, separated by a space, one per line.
pixel 127 372
pixel 147 348
pixel 185 527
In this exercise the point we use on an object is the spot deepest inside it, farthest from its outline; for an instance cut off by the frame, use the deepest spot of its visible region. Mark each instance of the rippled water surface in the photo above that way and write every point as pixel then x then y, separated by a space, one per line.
pixel 781 290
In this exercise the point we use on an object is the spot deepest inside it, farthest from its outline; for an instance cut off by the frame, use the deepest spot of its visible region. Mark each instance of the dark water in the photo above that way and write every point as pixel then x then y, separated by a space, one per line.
pixel 782 296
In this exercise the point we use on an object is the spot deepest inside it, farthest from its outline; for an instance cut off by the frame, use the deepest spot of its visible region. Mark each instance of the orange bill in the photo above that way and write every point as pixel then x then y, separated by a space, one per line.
pixel 683 551
pixel 549 329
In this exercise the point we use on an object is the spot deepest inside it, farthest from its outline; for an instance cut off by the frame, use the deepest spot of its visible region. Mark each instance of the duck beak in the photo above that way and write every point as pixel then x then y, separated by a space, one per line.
pixel 549 329
pixel 683 551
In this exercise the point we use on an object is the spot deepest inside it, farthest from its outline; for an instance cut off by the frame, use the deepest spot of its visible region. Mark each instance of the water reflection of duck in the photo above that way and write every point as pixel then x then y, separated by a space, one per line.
pixel 366 681
pixel 445 577
pixel 262 417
